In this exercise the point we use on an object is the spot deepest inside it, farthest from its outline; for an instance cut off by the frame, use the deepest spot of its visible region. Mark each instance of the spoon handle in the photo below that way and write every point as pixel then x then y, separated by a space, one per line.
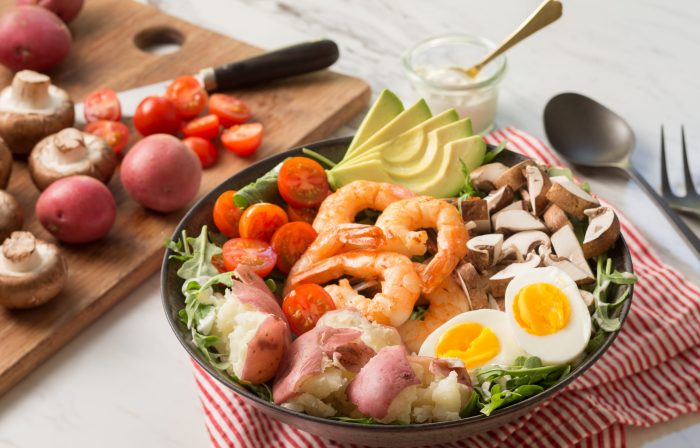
pixel 680 225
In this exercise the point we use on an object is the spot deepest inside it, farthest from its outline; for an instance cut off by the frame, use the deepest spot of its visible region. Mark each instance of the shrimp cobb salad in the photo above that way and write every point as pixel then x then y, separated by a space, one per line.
pixel 417 280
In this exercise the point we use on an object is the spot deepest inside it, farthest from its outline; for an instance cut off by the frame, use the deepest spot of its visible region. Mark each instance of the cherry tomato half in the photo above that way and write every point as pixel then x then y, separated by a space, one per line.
pixel 243 139
pixel 155 115
pixel 302 182
pixel 188 95
pixel 254 253
pixel 205 150
pixel 261 221
pixel 290 241
pixel 226 214
pixel 301 214
pixel 205 127
pixel 218 262
pixel 229 109
pixel 115 133
pixel 305 305
pixel 102 104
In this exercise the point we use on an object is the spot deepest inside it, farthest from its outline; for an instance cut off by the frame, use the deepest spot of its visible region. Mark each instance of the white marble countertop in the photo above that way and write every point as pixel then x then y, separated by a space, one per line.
pixel 125 381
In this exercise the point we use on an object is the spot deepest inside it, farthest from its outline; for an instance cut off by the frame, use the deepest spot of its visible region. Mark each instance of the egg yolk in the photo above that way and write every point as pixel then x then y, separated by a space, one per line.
pixel 541 309
pixel 471 342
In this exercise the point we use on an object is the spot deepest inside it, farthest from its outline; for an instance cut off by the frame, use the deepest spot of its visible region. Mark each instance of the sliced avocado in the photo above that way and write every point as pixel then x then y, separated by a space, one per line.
pixel 447 180
pixel 385 109
pixel 369 170
pixel 413 116
pixel 432 156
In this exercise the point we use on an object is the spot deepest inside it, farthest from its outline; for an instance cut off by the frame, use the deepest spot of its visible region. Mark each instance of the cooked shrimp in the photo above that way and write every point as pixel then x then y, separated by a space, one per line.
pixel 333 241
pixel 445 302
pixel 342 206
pixel 400 284
pixel 400 222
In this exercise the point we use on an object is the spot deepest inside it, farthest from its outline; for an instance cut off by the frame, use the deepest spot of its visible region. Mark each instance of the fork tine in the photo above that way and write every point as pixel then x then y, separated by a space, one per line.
pixel 665 187
pixel 689 186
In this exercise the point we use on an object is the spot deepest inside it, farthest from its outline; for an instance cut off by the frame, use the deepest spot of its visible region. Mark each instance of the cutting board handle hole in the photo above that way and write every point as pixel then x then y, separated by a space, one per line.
pixel 159 40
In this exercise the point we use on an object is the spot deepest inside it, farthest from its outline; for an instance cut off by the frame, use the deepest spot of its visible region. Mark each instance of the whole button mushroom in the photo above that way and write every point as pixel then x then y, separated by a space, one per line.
pixel 5 164
pixel 32 271
pixel 70 152
pixel 11 215
pixel 32 108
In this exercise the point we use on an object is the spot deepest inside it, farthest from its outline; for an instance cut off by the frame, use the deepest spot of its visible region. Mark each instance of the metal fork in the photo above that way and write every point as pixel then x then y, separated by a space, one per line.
pixel 690 203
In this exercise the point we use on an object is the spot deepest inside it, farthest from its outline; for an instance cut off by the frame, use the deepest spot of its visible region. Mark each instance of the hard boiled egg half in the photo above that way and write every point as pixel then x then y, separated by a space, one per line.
pixel 548 316
pixel 477 338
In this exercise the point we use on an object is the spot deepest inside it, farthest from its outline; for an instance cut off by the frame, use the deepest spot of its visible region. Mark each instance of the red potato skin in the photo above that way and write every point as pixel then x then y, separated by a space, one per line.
pixel 266 350
pixel 32 38
pixel 66 10
pixel 161 173
pixel 77 209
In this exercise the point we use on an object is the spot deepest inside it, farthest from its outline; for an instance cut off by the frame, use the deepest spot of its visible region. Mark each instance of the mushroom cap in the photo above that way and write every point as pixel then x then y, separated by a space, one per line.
pixel 5 164
pixel 602 232
pixel 46 165
pixel 484 177
pixel 11 215
pixel 37 285
pixel 570 197
pixel 555 218
pixel 513 176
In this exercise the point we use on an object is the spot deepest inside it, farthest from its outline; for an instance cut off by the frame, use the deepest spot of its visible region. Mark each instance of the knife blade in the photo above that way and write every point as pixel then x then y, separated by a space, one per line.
pixel 267 67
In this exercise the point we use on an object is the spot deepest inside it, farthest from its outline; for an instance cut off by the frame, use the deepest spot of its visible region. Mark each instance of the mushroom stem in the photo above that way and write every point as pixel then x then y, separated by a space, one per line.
pixel 69 146
pixel 19 253
pixel 31 89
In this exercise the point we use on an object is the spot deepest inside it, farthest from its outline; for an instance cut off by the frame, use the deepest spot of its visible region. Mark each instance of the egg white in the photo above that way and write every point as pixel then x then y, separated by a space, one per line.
pixel 569 342
pixel 496 320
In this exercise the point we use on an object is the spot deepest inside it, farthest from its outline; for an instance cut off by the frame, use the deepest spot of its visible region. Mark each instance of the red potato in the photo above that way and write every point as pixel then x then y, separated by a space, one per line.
pixel 32 38
pixel 66 10
pixel 161 173
pixel 77 209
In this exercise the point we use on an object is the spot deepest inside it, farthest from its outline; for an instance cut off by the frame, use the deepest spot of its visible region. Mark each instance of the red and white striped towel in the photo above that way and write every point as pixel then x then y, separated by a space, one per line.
pixel 649 375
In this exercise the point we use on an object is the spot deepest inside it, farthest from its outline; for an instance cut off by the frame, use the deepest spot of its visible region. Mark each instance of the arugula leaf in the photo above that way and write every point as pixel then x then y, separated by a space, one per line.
pixel 204 344
pixel 472 407
pixel 195 254
pixel 604 314
pixel 263 189
pixel 554 171
pixel 467 189
pixel 490 155
pixel 319 157
pixel 361 420
pixel 419 312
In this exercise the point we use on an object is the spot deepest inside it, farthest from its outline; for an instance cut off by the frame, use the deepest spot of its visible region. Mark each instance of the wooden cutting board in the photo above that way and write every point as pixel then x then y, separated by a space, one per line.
pixel 104 53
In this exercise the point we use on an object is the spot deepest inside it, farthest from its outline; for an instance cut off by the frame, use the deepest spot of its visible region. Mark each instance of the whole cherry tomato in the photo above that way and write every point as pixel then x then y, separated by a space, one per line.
pixel 254 253
pixel 304 306
pixel 226 214
pixel 229 109
pixel 156 115
pixel 290 241
pixel 102 104
pixel 205 150
pixel 188 96
pixel 260 221
pixel 302 182
pixel 243 139
pixel 115 133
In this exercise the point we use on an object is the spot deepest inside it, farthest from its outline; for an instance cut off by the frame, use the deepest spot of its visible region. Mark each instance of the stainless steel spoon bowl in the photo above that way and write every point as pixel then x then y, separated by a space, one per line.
pixel 589 134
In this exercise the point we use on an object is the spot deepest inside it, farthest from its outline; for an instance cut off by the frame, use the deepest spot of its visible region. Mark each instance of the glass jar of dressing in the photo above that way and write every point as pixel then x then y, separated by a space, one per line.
pixel 430 67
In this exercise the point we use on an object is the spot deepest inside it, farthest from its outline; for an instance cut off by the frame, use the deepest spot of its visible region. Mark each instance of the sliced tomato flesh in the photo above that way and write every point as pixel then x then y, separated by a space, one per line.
pixel 254 253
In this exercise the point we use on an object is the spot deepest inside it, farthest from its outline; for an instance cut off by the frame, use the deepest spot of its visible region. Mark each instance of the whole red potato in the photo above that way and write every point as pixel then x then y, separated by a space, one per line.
pixel 32 38
pixel 77 209
pixel 161 173
pixel 66 10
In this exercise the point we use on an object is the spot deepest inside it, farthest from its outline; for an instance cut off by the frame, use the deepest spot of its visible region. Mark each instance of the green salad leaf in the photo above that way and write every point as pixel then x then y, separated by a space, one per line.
pixel 263 189
pixel 604 315
pixel 319 157
pixel 419 312
pixel 490 155
pixel 360 420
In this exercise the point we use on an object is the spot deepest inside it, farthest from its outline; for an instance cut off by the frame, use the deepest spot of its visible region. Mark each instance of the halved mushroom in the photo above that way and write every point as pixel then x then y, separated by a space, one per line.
pixel 485 250
pixel 498 199
pixel 526 242
pixel 516 221
pixel 513 176
pixel 71 152
pixel 5 164
pixel 517 205
pixel 566 245
pixel 602 232
pixel 11 215
pixel 570 197
pixel 525 199
pixel 499 281
pixel 484 177
pixel 32 108
pixel 473 285
pixel 538 184
pixel 555 218
pixel 32 271
pixel 577 274
pixel 476 211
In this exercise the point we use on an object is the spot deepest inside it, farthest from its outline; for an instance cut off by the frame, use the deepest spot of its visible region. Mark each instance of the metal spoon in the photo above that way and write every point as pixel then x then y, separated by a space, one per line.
pixel 590 135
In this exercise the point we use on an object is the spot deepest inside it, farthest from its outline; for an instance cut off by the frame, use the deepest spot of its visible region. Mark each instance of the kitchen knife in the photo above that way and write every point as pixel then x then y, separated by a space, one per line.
pixel 285 62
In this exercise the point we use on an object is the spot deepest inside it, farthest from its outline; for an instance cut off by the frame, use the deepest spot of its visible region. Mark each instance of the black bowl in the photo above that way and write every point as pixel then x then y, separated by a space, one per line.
pixel 374 435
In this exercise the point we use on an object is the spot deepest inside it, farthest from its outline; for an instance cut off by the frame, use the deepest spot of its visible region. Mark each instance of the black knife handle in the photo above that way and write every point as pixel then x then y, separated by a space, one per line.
pixel 289 61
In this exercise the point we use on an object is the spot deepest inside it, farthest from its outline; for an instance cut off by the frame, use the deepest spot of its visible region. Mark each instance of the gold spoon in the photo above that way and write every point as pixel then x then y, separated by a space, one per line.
pixel 548 12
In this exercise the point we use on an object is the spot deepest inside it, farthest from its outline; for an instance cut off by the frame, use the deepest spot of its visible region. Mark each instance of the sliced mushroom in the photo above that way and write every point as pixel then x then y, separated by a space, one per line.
pixel 32 271
pixel 514 177
pixel 498 199
pixel 555 218
pixel 5 164
pixel 526 242
pixel 499 281
pixel 476 211
pixel 474 286
pixel 525 199
pixel 11 215
pixel 32 108
pixel 538 184
pixel 566 245
pixel 517 205
pixel 577 274
pixel 570 197
pixel 485 250
pixel 71 152
pixel 516 221
pixel 497 303
pixel 602 231
pixel 484 177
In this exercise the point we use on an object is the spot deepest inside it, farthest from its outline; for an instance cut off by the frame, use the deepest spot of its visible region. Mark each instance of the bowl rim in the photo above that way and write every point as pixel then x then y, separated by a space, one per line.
pixel 266 164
